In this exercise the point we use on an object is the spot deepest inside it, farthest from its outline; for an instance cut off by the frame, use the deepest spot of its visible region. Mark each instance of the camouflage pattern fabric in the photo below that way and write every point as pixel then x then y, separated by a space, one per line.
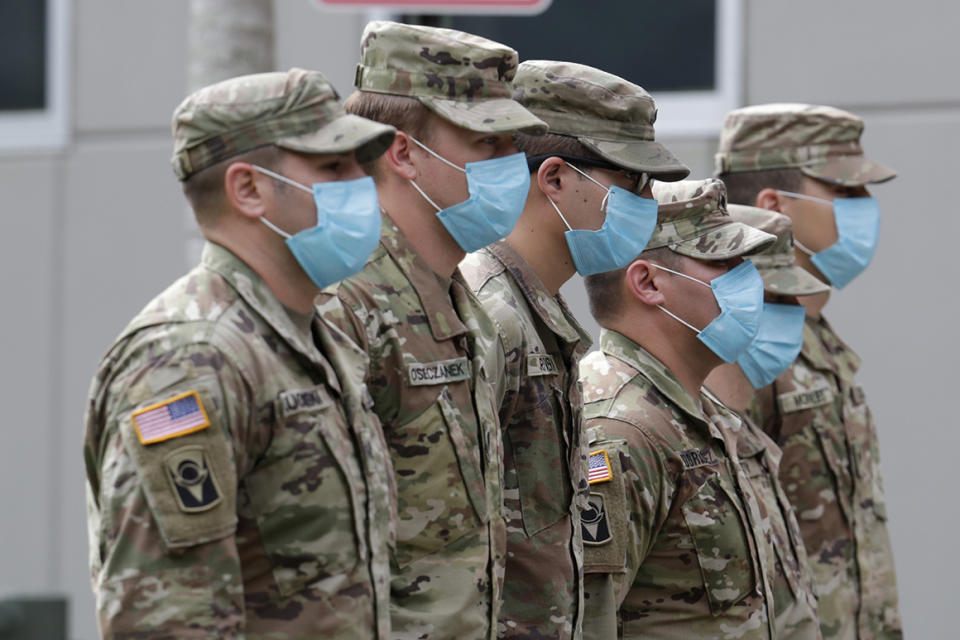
pixel 795 605
pixel 463 78
pixel 433 361
pixel 610 116
pixel 777 264
pixel 273 520
pixel 692 220
pixel 545 483
pixel 678 544
pixel 295 110
pixel 830 470
pixel 823 142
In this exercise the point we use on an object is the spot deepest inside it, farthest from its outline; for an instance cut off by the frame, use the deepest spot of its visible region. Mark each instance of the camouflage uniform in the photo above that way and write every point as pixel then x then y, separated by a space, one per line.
pixel 676 539
pixel 540 403
pixel 433 359
pixel 237 481
pixel 539 408
pixel 815 410
pixel 794 600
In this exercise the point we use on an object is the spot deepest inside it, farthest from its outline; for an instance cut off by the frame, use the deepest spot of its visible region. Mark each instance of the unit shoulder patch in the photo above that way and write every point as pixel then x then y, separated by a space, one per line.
pixel 805 399
pixel 439 372
pixel 177 416
pixel 599 467
pixel 194 484
pixel 594 523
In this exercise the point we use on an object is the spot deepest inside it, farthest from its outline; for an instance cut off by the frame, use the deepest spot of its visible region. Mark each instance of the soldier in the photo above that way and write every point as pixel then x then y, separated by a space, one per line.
pixel 432 354
pixel 674 545
pixel 806 162
pixel 591 172
pixel 771 352
pixel 237 481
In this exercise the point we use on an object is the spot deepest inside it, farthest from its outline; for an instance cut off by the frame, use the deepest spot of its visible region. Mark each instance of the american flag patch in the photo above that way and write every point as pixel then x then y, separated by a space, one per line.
pixel 599 467
pixel 171 418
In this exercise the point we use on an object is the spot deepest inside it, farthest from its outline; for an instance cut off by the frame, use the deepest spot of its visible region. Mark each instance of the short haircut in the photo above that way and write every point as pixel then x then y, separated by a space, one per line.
pixel 743 186
pixel 604 289
pixel 403 112
pixel 204 189
pixel 553 143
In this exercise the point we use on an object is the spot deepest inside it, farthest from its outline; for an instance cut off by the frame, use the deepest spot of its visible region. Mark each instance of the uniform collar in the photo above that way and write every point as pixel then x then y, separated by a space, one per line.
pixel 824 349
pixel 258 296
pixel 552 310
pixel 432 289
pixel 623 348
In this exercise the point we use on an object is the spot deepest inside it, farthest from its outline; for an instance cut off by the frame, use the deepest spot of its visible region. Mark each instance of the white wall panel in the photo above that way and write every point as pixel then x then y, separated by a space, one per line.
pixel 855 53
pixel 29 240
pixel 130 63
pixel 123 223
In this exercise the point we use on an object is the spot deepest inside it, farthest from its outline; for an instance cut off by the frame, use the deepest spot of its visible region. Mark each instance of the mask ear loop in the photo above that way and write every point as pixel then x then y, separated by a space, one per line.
pixel 286 180
pixel 803 196
pixel 671 314
pixel 557 209
pixel 425 196
pixel 436 155
pixel 277 176
pixel 441 159
pixel 801 246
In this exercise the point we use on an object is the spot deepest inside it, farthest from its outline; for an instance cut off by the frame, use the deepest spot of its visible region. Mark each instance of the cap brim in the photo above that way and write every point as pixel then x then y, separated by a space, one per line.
pixel 645 156
pixel 791 281
pixel 849 171
pixel 726 241
pixel 347 133
pixel 500 115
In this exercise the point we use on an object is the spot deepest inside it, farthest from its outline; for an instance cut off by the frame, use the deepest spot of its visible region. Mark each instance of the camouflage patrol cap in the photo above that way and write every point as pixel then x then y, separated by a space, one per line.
pixel 692 220
pixel 823 142
pixel 463 78
pixel 777 263
pixel 610 116
pixel 296 110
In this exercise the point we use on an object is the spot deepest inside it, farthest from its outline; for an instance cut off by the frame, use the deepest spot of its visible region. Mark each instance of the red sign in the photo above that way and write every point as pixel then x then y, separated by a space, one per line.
pixel 440 7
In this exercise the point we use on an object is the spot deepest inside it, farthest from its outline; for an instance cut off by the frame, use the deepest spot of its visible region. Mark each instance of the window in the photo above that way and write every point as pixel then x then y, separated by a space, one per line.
pixel 686 54
pixel 33 100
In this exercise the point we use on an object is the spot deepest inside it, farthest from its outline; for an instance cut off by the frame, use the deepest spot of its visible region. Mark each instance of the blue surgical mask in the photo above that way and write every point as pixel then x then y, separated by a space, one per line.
pixel 498 190
pixel 629 222
pixel 776 346
pixel 739 294
pixel 858 226
pixel 346 233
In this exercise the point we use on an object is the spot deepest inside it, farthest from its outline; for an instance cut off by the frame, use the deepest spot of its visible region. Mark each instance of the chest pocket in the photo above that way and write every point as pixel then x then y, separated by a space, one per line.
pixel 535 446
pixel 864 452
pixel 719 537
pixel 310 493
pixel 440 488
pixel 783 539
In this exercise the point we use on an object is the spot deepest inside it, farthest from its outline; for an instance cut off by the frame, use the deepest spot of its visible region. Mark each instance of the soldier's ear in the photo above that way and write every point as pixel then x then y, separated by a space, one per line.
pixel 397 157
pixel 640 279
pixel 247 191
pixel 550 178
pixel 768 199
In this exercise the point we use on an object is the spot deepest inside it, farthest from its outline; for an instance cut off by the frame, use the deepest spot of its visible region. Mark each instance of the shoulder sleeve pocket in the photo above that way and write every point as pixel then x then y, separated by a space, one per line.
pixel 604 521
pixel 184 461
